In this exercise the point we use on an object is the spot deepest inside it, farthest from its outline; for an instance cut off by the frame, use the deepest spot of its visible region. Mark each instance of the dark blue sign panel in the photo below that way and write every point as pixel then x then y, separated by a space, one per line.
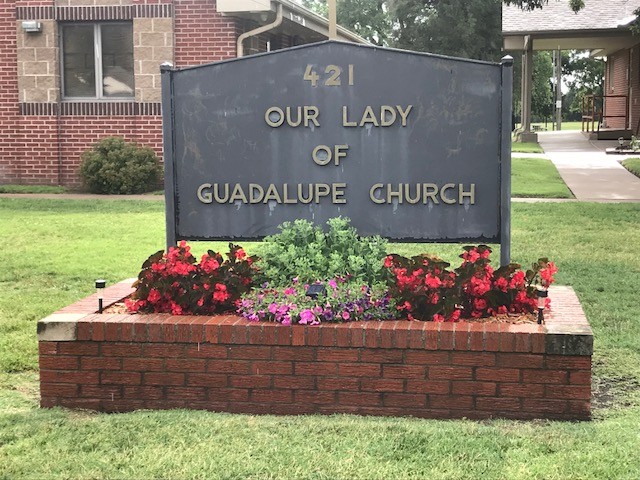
pixel 409 146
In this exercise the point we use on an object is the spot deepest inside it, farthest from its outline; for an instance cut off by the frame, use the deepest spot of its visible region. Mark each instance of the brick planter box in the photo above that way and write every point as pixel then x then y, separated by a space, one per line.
pixel 119 362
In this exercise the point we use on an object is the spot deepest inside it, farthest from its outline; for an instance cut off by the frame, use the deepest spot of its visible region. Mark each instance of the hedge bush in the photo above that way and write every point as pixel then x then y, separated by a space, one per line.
pixel 114 166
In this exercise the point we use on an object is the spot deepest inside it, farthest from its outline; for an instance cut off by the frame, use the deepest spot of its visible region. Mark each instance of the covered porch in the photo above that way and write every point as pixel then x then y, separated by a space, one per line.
pixel 602 28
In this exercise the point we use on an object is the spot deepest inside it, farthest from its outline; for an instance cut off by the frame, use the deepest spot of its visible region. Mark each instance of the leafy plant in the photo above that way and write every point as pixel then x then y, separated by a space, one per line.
pixel 175 283
pixel 114 166
pixel 304 251
pixel 340 301
pixel 426 289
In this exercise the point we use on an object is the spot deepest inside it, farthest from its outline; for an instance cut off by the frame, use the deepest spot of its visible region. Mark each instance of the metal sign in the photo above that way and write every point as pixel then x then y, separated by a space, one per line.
pixel 409 146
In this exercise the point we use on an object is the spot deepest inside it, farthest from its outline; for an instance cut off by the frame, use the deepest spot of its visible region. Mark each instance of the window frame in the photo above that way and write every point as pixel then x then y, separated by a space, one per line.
pixel 98 69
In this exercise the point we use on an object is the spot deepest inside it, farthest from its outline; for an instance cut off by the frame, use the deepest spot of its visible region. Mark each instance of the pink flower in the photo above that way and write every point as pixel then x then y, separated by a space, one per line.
pixel 345 315
pixel 306 316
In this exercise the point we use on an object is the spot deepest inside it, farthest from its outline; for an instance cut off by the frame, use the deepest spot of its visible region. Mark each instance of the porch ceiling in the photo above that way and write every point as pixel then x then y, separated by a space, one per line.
pixel 601 43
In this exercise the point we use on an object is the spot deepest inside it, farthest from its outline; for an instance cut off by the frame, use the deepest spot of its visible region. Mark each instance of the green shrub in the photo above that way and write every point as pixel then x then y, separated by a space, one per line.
pixel 114 166
pixel 305 251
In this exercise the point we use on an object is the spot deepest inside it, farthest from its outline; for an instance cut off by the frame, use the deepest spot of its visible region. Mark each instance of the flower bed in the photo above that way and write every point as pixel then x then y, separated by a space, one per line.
pixel 123 362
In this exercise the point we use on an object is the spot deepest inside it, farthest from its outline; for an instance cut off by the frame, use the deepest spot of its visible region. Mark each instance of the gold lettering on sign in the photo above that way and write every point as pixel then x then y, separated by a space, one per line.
pixel 399 193
pixel 285 193
pixel 293 116
pixel 384 116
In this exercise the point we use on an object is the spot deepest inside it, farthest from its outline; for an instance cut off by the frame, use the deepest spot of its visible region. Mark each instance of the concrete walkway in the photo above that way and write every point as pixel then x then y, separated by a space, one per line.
pixel 589 172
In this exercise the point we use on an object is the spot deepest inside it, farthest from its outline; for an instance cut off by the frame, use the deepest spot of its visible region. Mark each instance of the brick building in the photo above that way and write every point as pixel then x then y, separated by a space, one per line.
pixel 75 71
pixel 603 28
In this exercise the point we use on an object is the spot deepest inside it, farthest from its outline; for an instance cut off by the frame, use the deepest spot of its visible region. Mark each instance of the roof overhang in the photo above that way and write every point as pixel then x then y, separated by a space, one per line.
pixel 604 41
pixel 297 19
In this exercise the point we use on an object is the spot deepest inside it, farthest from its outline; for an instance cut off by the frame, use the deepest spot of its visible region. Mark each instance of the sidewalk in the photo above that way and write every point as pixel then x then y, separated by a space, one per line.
pixel 591 174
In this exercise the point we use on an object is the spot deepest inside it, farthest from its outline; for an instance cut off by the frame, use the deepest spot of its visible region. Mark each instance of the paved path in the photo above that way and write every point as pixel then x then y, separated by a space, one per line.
pixel 590 173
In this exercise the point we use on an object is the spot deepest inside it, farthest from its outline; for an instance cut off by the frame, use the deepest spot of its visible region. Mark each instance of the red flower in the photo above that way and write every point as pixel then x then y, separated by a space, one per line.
pixel 547 273
pixel 432 282
pixel 501 284
pixel 388 261
pixel 240 254
pixel 220 295
pixel 154 296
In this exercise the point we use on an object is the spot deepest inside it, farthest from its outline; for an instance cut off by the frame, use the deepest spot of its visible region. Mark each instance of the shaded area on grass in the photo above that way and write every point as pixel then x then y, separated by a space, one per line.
pixel 537 178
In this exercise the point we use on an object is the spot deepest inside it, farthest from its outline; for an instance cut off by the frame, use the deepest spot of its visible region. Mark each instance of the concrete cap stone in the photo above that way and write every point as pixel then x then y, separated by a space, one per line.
pixel 59 327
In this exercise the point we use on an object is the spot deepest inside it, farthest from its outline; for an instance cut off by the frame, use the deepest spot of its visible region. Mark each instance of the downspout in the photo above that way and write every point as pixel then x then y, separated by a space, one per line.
pixel 258 31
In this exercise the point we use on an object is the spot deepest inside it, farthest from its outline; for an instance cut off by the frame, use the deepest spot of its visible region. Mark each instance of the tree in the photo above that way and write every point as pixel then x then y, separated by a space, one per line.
pixel 541 94
pixel 585 76
pixel 460 28
pixel 576 5
pixel 368 18
pixel 464 28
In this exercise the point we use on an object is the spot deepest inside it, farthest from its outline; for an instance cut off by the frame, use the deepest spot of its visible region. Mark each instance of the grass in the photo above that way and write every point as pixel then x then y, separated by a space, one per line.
pixel 526 147
pixel 537 177
pixel 633 165
pixel 53 251
pixel 31 189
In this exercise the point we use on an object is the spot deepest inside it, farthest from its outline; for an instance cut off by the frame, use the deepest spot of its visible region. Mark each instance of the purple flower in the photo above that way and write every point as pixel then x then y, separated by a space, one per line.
pixel 290 291
pixel 273 308
pixel 333 284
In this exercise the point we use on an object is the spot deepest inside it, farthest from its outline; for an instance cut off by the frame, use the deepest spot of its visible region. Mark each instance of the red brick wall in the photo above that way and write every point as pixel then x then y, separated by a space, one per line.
pixel 617 83
pixel 9 129
pixel 423 369
pixel 635 89
pixel 202 35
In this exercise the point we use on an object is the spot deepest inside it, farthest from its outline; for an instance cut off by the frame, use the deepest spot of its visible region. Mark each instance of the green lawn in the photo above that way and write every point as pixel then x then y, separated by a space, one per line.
pixel 633 165
pixel 537 177
pixel 31 189
pixel 526 147
pixel 54 250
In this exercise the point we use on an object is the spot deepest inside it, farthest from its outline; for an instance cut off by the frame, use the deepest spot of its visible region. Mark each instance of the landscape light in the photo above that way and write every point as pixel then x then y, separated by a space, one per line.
pixel 100 284
pixel 543 293
pixel 315 290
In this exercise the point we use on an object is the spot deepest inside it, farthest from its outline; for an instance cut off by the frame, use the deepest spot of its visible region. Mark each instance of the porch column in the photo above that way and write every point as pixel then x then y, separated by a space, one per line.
pixel 525 134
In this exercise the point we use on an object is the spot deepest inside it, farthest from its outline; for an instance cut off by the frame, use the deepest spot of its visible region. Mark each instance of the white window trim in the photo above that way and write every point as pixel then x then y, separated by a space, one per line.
pixel 97 51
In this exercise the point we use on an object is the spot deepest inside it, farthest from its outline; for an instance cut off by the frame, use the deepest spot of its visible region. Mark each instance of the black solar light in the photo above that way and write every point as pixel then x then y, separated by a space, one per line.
pixel 100 284
pixel 543 293
pixel 316 290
